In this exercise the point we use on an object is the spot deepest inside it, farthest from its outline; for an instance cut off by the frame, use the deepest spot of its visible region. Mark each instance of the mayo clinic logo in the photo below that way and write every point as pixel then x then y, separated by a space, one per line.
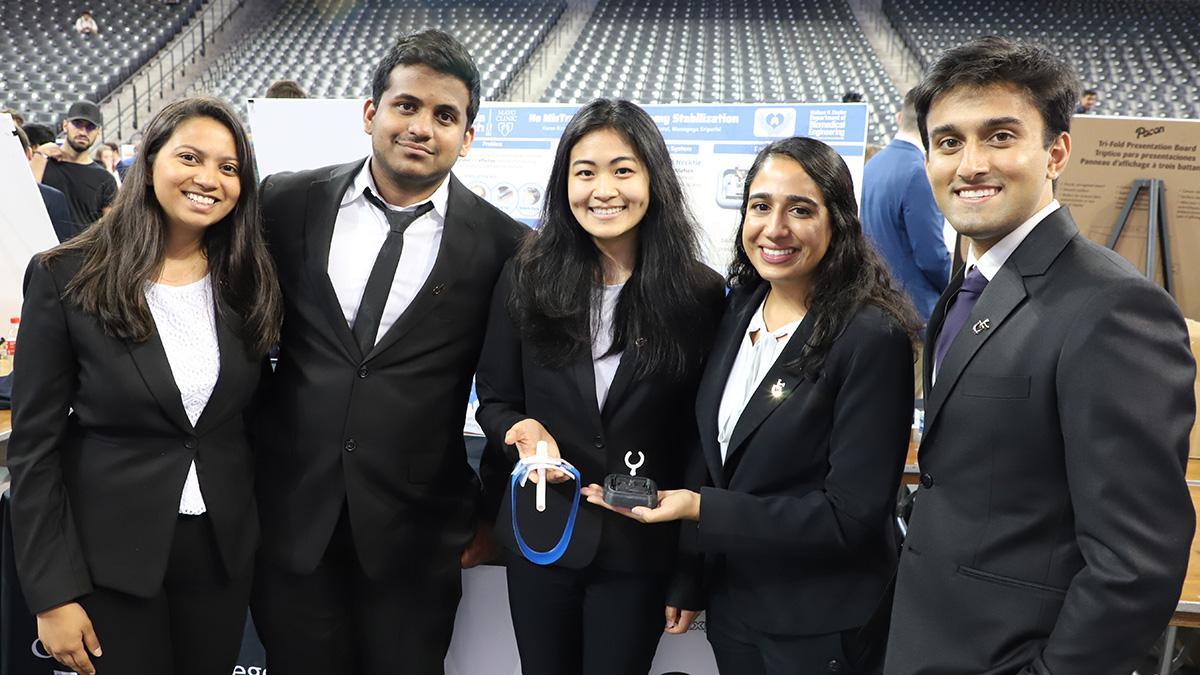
pixel 774 122
pixel 506 121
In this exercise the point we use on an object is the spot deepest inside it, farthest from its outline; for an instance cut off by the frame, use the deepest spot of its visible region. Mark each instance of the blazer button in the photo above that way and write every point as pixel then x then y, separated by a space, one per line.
pixel 597 441
pixel 190 444
pixel 350 445
pixel 362 372
pixel 834 666
pixel 926 480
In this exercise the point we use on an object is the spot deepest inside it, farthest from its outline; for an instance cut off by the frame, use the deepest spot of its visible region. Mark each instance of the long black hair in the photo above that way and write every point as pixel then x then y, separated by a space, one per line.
pixel 125 249
pixel 851 273
pixel 558 269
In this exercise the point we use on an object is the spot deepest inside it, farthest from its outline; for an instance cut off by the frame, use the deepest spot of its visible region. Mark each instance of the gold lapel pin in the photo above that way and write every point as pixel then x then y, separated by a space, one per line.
pixel 777 389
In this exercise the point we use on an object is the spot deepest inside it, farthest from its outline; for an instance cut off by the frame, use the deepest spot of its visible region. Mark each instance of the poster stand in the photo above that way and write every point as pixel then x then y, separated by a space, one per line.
pixel 1156 229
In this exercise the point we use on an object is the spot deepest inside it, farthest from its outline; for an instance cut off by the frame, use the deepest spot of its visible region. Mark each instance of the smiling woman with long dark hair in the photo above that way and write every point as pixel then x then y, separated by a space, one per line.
pixel 132 505
pixel 596 337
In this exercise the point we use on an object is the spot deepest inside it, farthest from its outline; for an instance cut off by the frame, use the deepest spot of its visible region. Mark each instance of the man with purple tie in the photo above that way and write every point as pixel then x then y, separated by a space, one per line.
pixel 1052 524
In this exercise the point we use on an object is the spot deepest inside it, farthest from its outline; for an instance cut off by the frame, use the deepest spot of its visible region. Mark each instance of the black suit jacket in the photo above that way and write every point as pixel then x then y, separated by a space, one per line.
pixel 650 415
pixel 1052 529
pixel 796 523
pixel 381 432
pixel 95 493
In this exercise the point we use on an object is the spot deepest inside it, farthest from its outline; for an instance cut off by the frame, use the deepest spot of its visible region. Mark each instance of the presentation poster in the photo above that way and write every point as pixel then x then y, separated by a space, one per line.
pixel 712 147
pixel 25 228
pixel 1107 155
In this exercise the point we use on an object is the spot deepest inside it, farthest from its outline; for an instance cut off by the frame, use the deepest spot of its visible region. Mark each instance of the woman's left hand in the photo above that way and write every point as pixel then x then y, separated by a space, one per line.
pixel 672 505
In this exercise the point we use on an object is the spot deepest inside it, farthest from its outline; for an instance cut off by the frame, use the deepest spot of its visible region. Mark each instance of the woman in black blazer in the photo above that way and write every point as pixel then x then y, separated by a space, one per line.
pixel 133 513
pixel 595 342
pixel 804 411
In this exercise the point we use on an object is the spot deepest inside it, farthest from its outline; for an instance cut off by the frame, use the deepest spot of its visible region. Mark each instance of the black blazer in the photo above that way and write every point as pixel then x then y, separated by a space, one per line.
pixel 95 493
pixel 379 431
pixel 648 415
pixel 1052 529
pixel 797 522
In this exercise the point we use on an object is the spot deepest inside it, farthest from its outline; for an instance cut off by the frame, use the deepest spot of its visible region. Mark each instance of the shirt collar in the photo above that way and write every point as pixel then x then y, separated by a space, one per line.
pixel 915 144
pixel 365 181
pixel 990 262
pixel 758 323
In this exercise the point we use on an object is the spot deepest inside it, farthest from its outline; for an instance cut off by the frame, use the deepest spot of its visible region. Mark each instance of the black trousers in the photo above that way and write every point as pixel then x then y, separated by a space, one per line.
pixel 584 622
pixel 337 621
pixel 193 626
pixel 742 650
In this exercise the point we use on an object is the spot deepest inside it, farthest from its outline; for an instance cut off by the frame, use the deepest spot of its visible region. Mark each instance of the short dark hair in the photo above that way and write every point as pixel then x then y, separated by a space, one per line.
pixel 850 275
pixel 434 49
pixel 1049 82
pixel 852 96
pixel 285 89
pixel 39 134
pixel 22 137
pixel 1089 92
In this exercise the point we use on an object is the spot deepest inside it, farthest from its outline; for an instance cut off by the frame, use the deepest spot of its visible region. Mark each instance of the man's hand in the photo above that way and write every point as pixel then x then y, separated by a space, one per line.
pixel 50 150
pixel 482 548
pixel 679 620
pixel 66 633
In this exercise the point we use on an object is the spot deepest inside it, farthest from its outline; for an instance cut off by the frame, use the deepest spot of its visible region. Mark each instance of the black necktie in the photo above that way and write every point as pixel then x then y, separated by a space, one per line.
pixel 960 309
pixel 379 284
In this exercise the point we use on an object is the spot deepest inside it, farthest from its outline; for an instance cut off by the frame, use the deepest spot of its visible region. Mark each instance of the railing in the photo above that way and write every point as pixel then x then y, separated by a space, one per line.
pixel 158 77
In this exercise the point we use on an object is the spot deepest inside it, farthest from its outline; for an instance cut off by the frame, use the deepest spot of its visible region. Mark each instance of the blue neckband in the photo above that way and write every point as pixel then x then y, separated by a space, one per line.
pixel 519 473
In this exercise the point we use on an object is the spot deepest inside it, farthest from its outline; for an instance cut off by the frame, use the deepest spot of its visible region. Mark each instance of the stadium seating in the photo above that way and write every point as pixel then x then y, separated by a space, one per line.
pixel 1142 57
pixel 332 48
pixel 717 51
pixel 45 65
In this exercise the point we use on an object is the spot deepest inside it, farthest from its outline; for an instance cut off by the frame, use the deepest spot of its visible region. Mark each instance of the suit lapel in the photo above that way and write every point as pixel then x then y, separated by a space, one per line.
pixel 776 387
pixel 583 372
pixel 150 358
pixel 324 197
pixel 622 379
pixel 1003 294
pixel 454 256
pixel 712 387
pixel 224 393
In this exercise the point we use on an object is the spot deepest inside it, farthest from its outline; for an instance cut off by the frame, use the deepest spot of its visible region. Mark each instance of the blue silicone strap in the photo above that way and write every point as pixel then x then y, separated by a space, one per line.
pixel 519 473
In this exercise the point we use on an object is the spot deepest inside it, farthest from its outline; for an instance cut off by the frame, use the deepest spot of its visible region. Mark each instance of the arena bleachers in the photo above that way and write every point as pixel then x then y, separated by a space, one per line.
pixel 332 48
pixel 1142 57
pixel 716 51
pixel 45 64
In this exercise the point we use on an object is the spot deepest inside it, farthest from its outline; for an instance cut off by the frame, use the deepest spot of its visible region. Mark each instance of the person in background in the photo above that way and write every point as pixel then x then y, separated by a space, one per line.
pixel 86 24
pixel 133 514
pixel 39 134
pixel 1088 101
pixel 285 89
pixel 901 218
pixel 17 118
pixel 804 413
pixel 123 164
pixel 56 202
pixel 71 168
pixel 108 155
pixel 596 339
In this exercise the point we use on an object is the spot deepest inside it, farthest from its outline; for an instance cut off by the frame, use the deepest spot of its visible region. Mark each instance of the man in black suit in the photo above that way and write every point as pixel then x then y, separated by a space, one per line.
pixel 366 497
pixel 1052 525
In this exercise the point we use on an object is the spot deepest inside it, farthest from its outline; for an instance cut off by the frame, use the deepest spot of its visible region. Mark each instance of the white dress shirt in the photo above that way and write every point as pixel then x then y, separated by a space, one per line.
pixel 186 323
pixel 753 361
pixel 358 234
pixel 602 323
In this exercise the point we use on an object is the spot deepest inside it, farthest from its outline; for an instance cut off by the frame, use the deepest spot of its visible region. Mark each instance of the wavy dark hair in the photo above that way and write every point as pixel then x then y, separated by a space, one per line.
pixel 558 268
pixel 125 249
pixel 851 273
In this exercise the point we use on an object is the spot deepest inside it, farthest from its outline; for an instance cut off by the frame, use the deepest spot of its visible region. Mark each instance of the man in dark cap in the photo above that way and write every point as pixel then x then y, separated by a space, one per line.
pixel 70 168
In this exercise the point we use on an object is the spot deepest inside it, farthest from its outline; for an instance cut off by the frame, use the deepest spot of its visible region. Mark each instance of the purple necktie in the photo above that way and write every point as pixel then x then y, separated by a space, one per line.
pixel 960 309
